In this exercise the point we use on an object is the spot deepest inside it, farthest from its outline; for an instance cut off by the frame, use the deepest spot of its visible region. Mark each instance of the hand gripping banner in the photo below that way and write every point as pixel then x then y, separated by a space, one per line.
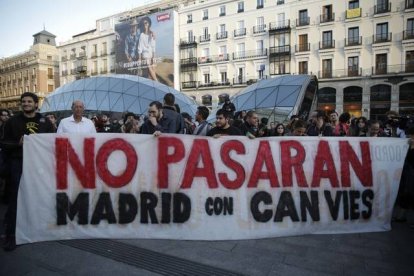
pixel 199 188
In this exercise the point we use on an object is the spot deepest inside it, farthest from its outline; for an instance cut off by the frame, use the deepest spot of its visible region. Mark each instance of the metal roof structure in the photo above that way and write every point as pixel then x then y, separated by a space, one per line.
pixel 277 97
pixel 114 93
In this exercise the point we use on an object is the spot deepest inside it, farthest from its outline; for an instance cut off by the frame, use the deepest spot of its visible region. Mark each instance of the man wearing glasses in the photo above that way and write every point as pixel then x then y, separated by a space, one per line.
pixel 223 126
pixel 158 122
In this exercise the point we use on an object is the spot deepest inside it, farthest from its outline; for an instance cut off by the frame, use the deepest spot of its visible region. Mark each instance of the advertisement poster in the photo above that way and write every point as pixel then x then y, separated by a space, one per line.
pixel 145 47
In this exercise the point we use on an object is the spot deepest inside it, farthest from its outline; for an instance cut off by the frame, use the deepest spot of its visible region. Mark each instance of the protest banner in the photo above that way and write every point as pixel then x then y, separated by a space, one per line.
pixel 199 188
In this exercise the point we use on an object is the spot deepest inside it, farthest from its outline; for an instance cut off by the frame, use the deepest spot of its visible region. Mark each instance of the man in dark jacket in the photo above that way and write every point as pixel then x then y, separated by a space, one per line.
pixel 158 122
pixel 171 112
pixel 250 127
pixel 27 123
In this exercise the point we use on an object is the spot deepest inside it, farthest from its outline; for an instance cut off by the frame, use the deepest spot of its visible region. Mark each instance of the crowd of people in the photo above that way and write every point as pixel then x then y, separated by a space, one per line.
pixel 166 118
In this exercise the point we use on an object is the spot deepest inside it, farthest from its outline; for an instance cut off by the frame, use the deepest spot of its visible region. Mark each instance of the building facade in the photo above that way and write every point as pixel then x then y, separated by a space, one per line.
pixel 361 51
pixel 36 70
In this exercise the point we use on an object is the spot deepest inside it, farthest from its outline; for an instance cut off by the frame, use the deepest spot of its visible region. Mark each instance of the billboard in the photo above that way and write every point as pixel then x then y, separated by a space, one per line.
pixel 145 47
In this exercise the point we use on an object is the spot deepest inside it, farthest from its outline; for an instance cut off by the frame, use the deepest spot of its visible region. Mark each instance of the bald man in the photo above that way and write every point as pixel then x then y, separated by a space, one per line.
pixel 76 123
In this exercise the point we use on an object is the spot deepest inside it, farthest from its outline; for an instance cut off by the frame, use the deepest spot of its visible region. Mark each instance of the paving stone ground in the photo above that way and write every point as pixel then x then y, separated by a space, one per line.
pixel 380 253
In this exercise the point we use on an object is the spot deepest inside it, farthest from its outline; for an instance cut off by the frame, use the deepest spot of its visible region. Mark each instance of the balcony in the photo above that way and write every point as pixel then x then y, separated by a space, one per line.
pixel 325 18
pixel 303 21
pixel 250 54
pixel 279 27
pixel 189 21
pixel 216 58
pixel 381 38
pixel 103 70
pixel 353 41
pixel 204 60
pixel 353 13
pixel 188 62
pixel 81 69
pixel 104 53
pixel 408 34
pixel 50 77
pixel 94 54
pixel 215 83
pixel 189 42
pixel 240 80
pixel 240 32
pixel 395 69
pixel 378 9
pixel 240 10
pixel 188 84
pixel 112 70
pixel 280 2
pixel 409 4
pixel 112 51
pixel 279 50
pixel 351 71
pixel 222 14
pixel 205 38
pixel 205 17
pixel 94 72
pixel 82 55
pixel 221 35
pixel 305 47
pixel 326 44
pixel 259 29
pixel 259 6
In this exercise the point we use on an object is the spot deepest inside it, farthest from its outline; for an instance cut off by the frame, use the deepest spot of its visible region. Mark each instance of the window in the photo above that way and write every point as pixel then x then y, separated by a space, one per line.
pixel 205 14
pixel 223 77
pixel 327 68
pixel 280 2
pixel 303 67
pixel 189 18
pixel 240 75
pixel 259 4
pixel 260 26
pixel 223 50
pixel 353 36
pixel 353 4
pixel 353 66
pixel 240 29
pixel 259 47
pixel 409 33
pixel 382 32
pixel 240 6
pixel 50 73
pixel 260 71
pixel 50 88
pixel 303 18
pixel 382 6
pixel 381 64
pixel 222 10
pixel 104 50
pixel 205 36
pixel 190 36
pixel 409 4
pixel 49 57
pixel 303 43
pixel 327 41
pixel 409 61
pixel 206 78
pixel 327 14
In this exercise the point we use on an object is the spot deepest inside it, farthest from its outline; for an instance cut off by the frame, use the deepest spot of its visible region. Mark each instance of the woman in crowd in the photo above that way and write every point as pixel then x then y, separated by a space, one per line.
pixel 279 130
pixel 359 128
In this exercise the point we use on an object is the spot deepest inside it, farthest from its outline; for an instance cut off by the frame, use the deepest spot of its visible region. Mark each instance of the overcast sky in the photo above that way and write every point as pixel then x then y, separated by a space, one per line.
pixel 21 19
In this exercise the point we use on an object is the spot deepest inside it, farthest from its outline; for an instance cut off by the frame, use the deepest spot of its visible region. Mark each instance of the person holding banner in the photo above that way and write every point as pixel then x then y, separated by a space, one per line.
pixel 223 126
pixel 76 123
pixel 26 123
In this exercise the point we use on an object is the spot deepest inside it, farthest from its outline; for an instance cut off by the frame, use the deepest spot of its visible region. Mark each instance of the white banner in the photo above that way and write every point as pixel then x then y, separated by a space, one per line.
pixel 198 188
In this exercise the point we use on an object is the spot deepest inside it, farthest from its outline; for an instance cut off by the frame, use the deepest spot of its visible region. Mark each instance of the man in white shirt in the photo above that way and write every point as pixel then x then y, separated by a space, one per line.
pixel 76 123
